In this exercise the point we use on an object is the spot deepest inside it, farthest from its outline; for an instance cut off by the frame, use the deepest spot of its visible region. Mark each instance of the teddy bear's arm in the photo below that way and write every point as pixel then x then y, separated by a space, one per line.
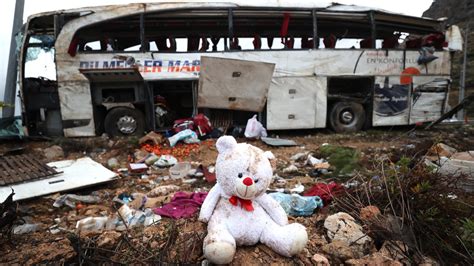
pixel 210 203
pixel 273 208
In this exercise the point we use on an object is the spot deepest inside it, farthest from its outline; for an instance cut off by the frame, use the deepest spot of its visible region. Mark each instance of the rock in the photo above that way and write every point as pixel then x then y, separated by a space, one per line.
pixel 319 259
pixel 151 159
pixel 54 152
pixel 427 261
pixel 140 155
pixel 113 163
pixel 154 245
pixel 290 169
pixel 299 156
pixel 342 226
pixel 108 239
pixel 26 229
pixel 441 149
pixel 338 252
pixel 153 138
pixel 374 259
pixel 369 213
pixel 395 250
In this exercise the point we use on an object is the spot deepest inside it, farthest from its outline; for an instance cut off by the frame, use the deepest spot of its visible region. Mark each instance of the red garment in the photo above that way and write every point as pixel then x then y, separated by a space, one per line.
pixel 330 41
pixel 325 191
pixel 284 25
pixel 244 203
pixel 182 205
pixel 257 42
pixel 366 43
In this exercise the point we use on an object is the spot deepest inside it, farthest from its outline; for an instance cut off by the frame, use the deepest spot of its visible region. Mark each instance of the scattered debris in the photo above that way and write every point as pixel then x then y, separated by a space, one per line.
pixel 277 142
pixel 71 200
pixel 165 161
pixel 180 170
pixel 120 221
pixel 254 129
pixel 296 205
pixel 75 174
pixel 137 168
pixel 187 136
pixel 153 137
pixel 163 190
pixel 290 169
pixel 26 229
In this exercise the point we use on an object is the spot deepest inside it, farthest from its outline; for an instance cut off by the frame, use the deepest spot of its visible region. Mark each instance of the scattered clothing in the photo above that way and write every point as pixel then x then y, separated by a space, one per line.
pixel 325 191
pixel 182 205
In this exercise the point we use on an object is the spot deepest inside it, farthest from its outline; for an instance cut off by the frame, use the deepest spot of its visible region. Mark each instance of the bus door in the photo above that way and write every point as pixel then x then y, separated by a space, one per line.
pixel 234 84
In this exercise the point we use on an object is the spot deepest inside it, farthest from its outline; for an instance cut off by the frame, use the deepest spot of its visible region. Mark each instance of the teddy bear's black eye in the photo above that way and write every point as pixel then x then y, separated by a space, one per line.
pixel 256 181
pixel 240 175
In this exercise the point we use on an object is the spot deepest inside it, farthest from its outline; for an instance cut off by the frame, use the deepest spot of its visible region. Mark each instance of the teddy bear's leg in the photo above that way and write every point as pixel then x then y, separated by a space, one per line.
pixel 287 240
pixel 219 245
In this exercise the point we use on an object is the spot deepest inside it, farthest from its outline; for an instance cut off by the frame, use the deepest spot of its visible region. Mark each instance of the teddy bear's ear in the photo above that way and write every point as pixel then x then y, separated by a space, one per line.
pixel 269 155
pixel 225 144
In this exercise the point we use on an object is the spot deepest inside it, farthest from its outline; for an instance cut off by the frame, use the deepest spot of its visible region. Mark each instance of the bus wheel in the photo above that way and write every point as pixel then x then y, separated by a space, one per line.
pixel 123 121
pixel 346 117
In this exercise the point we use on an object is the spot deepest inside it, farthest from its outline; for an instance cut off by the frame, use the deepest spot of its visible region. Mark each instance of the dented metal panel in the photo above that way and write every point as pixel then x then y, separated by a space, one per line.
pixel 234 84
pixel 429 97
pixel 73 174
pixel 297 102
pixel 397 102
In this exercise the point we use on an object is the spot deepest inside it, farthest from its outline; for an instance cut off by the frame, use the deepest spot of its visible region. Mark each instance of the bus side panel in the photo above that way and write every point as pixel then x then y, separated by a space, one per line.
pixel 390 102
pixel 296 102
pixel 421 100
pixel 76 108
pixel 428 99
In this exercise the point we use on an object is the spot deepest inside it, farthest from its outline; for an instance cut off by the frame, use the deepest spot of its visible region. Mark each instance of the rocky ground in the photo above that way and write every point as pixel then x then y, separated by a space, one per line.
pixel 393 209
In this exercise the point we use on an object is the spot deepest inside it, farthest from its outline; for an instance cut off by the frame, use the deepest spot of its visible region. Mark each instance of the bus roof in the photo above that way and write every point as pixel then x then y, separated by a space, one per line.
pixel 332 9
pixel 290 4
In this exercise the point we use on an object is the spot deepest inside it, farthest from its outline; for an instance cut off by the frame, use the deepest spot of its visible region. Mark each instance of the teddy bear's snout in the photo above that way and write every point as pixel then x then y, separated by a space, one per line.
pixel 248 181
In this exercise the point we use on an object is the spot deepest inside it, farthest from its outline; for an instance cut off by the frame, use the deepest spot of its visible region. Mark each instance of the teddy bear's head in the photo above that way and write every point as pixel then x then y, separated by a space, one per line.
pixel 242 170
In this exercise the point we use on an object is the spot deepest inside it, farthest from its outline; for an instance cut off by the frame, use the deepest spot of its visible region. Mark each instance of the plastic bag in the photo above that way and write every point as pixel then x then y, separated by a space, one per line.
pixel 297 205
pixel 254 129
pixel 166 161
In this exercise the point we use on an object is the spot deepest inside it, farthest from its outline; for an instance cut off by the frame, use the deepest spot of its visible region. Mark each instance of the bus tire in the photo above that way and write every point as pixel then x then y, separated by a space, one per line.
pixel 124 121
pixel 346 117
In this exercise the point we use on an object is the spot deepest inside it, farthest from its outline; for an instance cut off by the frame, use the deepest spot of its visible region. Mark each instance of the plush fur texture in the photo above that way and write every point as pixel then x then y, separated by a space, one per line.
pixel 244 171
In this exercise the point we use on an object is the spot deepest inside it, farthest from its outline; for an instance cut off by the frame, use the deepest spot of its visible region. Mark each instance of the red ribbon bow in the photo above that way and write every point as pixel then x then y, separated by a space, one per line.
pixel 244 203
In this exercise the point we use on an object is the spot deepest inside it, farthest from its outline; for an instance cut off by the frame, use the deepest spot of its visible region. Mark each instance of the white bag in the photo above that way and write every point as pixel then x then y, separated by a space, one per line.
pixel 254 129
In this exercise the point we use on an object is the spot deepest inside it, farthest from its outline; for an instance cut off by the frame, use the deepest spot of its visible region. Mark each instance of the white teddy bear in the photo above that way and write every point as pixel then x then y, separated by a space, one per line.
pixel 239 211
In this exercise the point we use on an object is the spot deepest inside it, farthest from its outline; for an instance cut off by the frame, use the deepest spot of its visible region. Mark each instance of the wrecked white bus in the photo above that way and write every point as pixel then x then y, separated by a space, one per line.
pixel 131 68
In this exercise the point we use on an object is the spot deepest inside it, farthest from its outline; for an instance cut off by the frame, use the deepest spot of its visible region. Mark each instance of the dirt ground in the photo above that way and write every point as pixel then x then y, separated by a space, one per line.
pixel 180 241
